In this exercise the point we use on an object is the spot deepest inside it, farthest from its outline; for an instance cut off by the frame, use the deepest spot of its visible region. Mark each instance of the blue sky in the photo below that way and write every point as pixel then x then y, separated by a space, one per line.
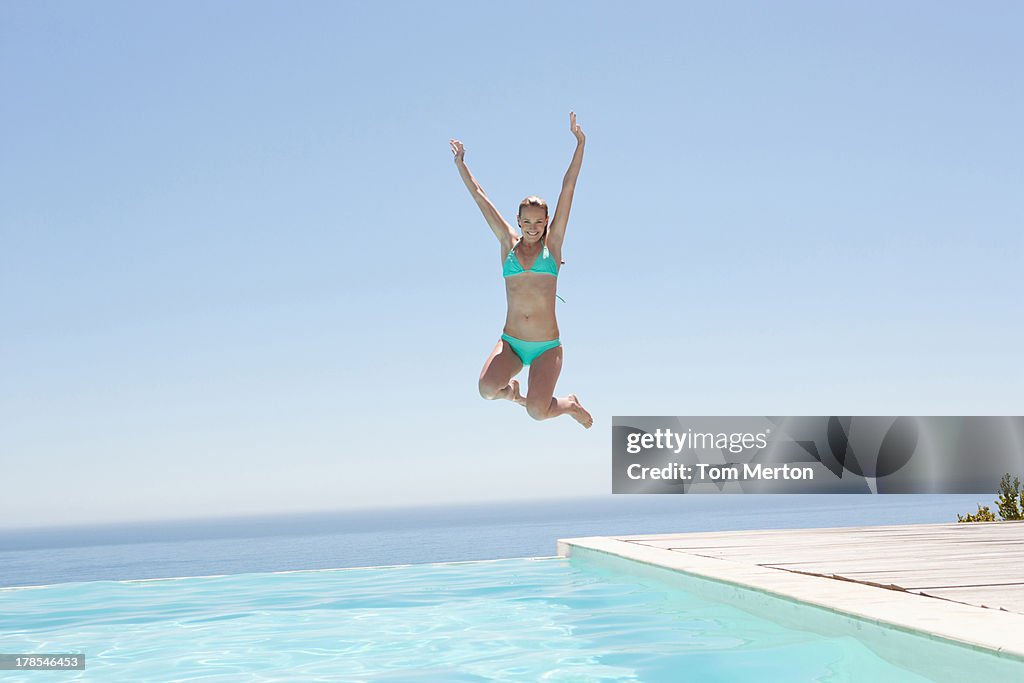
pixel 240 272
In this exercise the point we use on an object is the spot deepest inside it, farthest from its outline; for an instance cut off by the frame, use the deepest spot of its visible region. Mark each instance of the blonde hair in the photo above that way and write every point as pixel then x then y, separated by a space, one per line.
pixel 533 201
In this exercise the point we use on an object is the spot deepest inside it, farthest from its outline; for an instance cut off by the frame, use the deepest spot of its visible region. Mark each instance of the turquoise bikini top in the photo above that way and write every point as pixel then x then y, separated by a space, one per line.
pixel 544 263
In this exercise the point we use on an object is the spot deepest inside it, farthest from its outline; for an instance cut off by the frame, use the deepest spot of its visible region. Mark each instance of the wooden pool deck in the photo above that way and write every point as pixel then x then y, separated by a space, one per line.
pixel 961 582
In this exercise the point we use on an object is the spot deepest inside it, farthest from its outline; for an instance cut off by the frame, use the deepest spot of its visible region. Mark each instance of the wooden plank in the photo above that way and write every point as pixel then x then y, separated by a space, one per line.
pixel 972 563
pixel 868 559
pixel 1010 598
pixel 923 579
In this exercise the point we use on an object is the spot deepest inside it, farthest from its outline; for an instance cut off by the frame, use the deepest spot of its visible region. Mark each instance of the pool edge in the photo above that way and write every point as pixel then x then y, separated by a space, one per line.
pixel 995 632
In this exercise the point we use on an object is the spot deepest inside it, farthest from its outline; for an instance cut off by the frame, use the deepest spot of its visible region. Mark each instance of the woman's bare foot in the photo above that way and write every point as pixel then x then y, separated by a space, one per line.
pixel 516 396
pixel 578 412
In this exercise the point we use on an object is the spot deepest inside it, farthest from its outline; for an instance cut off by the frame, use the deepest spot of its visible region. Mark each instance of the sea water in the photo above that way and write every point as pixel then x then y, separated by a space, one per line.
pixel 431 534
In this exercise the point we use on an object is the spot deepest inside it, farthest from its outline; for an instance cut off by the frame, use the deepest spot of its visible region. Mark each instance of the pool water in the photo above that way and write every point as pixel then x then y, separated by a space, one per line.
pixel 551 619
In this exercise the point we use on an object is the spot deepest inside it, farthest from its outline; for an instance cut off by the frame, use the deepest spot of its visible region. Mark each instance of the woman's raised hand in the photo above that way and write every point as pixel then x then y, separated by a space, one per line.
pixel 457 149
pixel 575 128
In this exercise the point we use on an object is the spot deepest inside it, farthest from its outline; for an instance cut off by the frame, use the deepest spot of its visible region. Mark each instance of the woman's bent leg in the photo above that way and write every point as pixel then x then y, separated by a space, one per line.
pixel 496 377
pixel 541 403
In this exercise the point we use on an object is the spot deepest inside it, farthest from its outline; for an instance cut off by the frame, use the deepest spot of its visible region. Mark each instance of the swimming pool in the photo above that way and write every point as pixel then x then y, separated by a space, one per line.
pixel 523 619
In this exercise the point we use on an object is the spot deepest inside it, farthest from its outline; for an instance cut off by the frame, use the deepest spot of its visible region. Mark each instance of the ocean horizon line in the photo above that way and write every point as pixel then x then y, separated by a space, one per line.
pixel 433 515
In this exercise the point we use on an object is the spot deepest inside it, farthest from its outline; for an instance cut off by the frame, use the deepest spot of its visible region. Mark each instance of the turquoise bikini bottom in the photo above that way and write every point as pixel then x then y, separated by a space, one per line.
pixel 528 350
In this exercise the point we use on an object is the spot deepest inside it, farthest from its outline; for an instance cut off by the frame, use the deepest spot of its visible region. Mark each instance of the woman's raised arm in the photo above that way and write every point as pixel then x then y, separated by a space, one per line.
pixel 556 231
pixel 499 226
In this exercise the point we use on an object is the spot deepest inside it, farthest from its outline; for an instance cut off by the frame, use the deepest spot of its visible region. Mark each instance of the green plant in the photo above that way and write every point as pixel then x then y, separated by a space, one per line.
pixel 982 515
pixel 1009 495
pixel 1010 503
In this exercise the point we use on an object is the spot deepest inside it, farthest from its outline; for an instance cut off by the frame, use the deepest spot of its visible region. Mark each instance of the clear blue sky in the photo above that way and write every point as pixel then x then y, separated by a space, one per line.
pixel 239 272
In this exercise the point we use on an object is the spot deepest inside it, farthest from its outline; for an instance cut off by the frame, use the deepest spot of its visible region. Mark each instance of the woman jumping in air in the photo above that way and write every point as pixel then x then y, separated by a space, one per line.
pixel 530 266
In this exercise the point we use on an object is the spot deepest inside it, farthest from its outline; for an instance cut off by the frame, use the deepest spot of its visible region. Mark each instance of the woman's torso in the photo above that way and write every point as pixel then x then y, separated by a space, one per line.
pixel 530 294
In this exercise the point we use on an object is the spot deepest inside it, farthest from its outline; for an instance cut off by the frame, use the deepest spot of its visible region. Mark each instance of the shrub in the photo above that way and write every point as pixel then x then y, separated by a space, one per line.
pixel 982 515
pixel 1010 503
pixel 1009 495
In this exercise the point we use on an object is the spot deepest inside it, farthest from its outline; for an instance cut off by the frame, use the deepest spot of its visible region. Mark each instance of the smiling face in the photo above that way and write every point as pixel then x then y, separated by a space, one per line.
pixel 533 221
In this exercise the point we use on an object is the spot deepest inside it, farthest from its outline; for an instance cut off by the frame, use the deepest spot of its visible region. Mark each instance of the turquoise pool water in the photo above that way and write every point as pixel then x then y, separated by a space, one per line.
pixel 550 619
